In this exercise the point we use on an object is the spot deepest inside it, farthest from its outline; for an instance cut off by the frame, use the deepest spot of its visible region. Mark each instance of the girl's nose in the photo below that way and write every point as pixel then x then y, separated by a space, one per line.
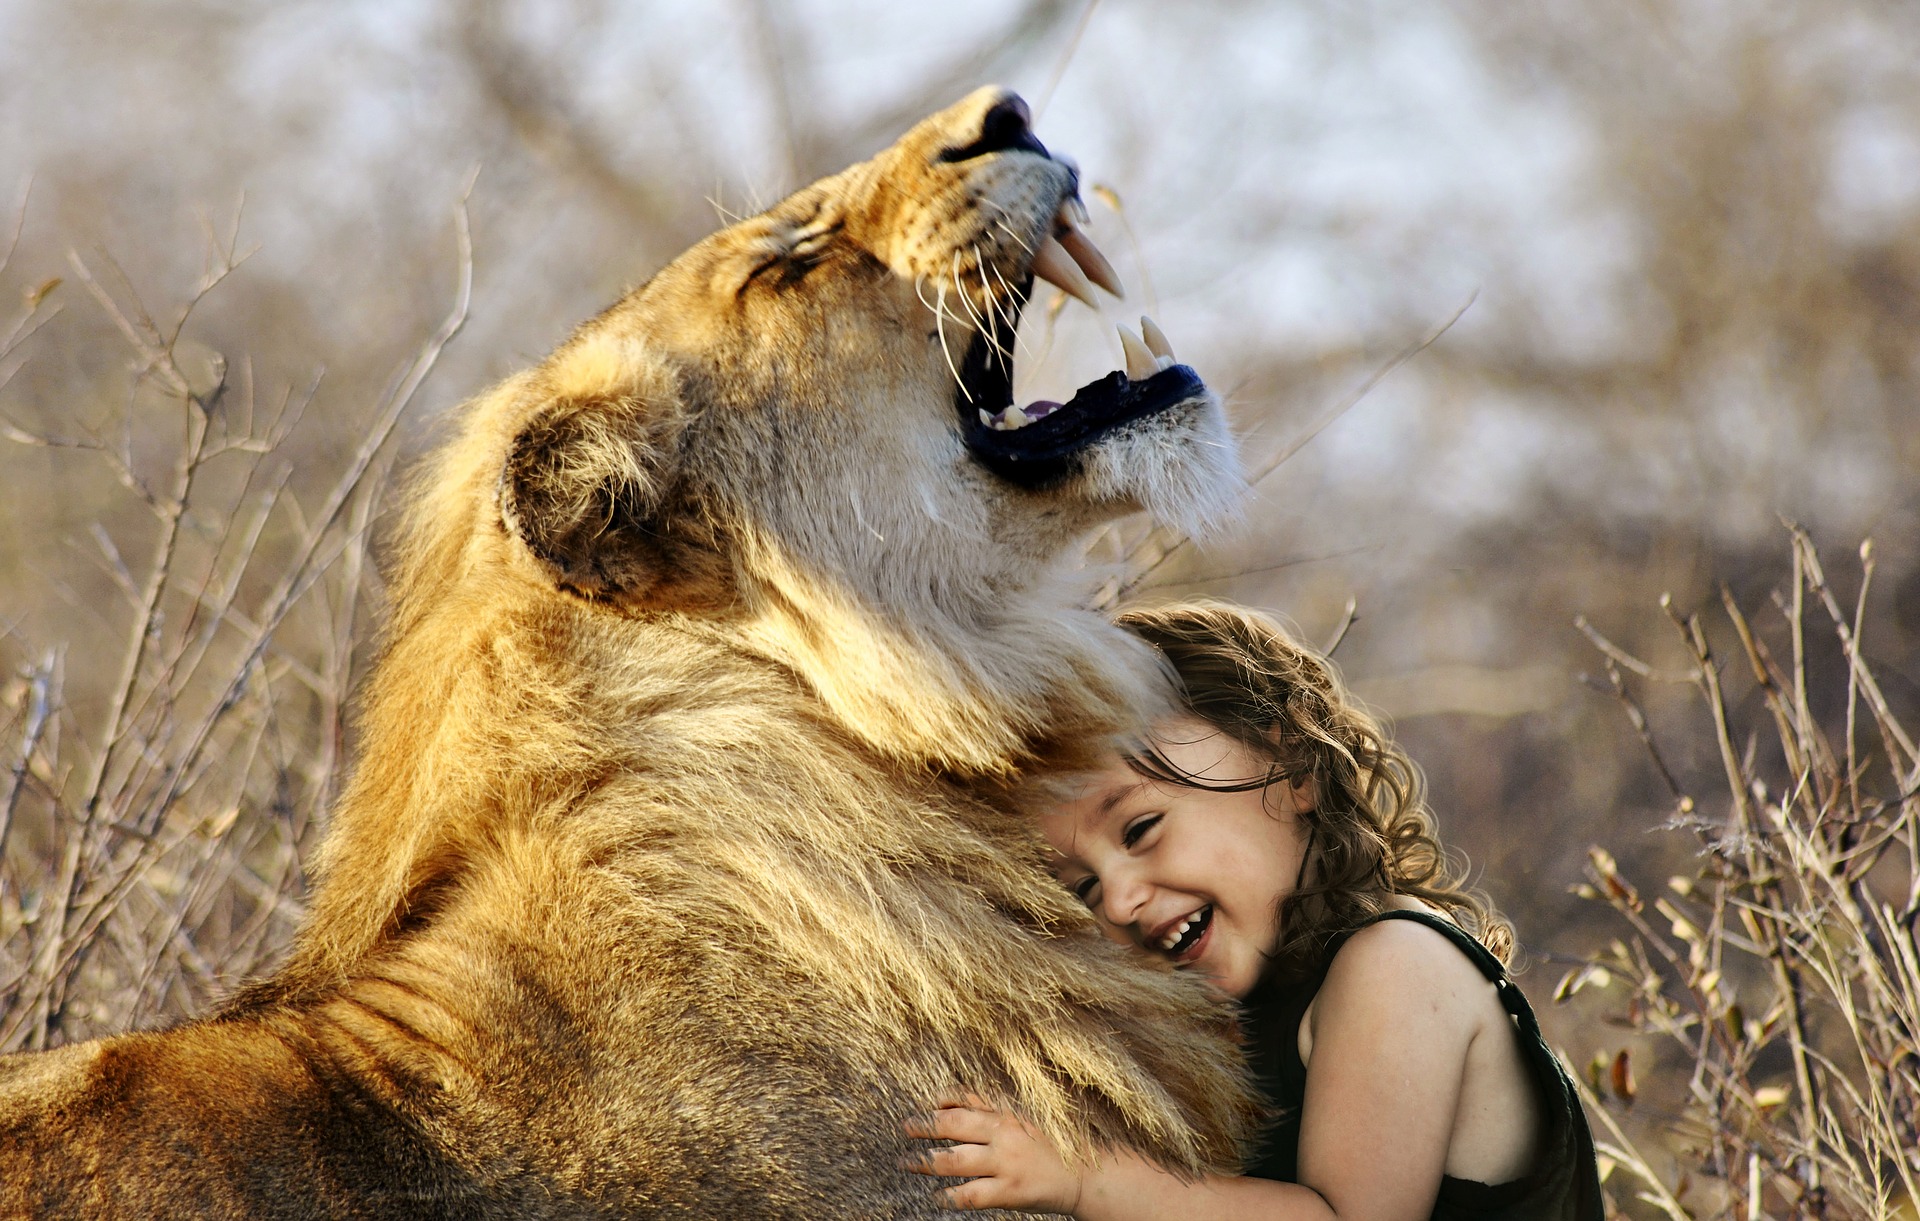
pixel 1122 897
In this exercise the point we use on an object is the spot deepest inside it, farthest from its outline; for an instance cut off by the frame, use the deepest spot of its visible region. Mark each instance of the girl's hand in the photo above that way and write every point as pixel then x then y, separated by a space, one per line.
pixel 1009 1163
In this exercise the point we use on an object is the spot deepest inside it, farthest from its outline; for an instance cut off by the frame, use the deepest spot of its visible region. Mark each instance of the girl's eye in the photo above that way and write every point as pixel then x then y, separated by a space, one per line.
pixel 1138 829
pixel 1084 888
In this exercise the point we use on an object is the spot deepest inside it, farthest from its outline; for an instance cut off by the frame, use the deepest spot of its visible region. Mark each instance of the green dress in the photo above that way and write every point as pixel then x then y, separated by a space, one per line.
pixel 1564 1183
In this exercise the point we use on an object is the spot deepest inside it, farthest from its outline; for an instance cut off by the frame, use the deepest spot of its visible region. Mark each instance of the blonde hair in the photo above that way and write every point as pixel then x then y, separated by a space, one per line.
pixel 1371 833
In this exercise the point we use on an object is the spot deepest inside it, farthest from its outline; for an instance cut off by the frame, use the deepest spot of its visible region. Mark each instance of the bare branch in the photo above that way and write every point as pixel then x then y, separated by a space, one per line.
pixel 1347 620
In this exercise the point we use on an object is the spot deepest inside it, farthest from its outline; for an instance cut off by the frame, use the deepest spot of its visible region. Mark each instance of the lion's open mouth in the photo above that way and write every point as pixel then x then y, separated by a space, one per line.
pixel 1035 444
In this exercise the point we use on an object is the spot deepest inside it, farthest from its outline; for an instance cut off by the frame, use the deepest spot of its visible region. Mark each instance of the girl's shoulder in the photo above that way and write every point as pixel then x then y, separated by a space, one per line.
pixel 1405 975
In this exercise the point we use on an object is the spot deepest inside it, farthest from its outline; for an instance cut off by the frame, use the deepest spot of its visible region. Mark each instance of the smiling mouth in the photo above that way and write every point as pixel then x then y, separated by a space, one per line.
pixel 1179 940
pixel 1035 445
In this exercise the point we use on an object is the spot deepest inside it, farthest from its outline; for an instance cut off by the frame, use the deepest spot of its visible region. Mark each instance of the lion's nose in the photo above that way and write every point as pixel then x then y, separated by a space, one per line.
pixel 1009 124
pixel 1006 125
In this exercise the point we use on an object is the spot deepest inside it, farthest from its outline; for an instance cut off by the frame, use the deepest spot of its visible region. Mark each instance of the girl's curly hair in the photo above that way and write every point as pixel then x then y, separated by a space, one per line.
pixel 1372 835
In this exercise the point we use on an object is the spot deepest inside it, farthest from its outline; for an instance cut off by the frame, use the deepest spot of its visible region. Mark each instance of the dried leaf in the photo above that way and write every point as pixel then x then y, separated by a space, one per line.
pixel 1579 978
pixel 1683 928
pixel 1597 1072
pixel 1622 1078
pixel 1619 890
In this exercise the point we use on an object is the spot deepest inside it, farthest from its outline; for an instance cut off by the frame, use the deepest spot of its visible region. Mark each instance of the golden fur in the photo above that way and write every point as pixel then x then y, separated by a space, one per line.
pixel 690 846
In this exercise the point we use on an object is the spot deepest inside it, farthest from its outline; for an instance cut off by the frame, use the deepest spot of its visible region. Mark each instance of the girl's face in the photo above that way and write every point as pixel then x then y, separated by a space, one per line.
pixel 1193 875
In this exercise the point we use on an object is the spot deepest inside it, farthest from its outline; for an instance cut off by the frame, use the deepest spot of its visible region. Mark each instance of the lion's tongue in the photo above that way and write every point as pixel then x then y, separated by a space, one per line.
pixel 1014 416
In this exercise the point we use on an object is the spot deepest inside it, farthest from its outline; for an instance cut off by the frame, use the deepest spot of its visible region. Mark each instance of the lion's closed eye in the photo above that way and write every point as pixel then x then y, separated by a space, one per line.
pixel 791 255
pixel 769 267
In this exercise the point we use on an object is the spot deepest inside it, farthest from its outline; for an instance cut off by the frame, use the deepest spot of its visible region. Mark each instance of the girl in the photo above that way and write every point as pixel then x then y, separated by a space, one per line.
pixel 1273 839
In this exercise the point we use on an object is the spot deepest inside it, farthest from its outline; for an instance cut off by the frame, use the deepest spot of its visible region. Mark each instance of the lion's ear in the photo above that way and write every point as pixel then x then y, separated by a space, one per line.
pixel 590 489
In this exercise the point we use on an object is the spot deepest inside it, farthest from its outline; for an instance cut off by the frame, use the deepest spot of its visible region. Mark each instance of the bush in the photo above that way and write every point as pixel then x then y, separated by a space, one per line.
pixel 1783 969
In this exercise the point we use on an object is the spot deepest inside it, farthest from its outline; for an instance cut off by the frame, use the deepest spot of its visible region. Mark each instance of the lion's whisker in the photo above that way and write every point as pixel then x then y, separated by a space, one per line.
pixel 937 307
pixel 1008 230
pixel 960 290
pixel 1002 302
pixel 940 324
pixel 1002 348
pixel 932 307
pixel 1004 210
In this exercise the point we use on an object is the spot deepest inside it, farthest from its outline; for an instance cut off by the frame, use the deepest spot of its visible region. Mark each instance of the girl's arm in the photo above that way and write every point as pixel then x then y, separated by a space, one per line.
pixel 1389 1034
pixel 1388 1037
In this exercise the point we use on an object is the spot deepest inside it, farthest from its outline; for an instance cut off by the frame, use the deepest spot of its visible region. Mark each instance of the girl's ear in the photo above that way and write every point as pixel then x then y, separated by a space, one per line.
pixel 1301 796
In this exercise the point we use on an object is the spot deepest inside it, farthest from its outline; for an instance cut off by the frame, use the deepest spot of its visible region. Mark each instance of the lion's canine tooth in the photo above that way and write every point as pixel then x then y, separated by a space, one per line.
pixel 1087 255
pixel 1140 362
pixel 1013 417
pixel 1156 340
pixel 1053 264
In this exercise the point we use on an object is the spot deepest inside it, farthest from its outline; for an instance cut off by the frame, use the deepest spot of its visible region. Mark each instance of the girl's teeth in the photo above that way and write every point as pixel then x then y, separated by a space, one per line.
pixel 1174 935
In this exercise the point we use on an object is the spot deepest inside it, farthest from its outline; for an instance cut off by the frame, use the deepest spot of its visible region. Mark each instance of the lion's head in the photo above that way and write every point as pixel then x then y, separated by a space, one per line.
pixel 847 358
pixel 806 421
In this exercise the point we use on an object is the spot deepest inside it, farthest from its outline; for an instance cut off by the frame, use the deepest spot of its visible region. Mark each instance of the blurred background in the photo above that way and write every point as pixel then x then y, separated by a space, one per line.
pixel 1681 239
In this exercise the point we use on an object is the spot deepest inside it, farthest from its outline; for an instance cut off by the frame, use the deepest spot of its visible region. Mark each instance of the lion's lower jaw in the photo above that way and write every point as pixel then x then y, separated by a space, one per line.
pixel 1180 465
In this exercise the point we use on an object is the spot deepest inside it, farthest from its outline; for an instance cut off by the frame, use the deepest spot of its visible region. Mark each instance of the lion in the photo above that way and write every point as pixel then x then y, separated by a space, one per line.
pixel 690 844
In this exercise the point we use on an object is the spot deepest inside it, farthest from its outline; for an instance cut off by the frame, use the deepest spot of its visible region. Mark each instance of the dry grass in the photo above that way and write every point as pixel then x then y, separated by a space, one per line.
pixel 1784 969
pixel 157 799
